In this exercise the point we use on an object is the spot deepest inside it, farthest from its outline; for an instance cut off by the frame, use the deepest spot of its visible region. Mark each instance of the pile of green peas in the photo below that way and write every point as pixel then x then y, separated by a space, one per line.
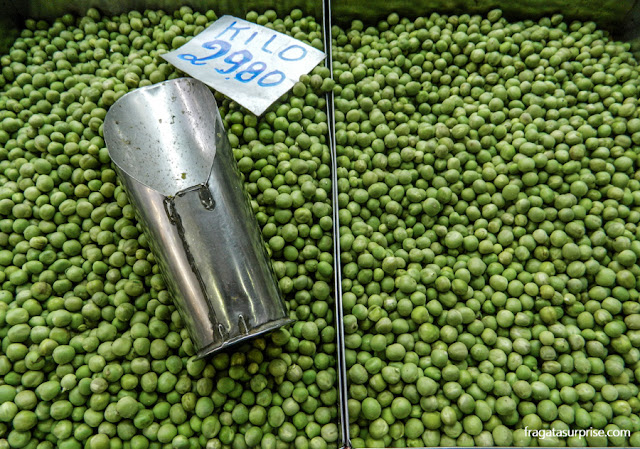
pixel 489 201
pixel 93 352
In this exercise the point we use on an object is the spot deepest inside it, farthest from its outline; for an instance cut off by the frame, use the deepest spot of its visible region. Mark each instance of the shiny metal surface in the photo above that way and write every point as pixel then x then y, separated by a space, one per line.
pixel 343 393
pixel 175 162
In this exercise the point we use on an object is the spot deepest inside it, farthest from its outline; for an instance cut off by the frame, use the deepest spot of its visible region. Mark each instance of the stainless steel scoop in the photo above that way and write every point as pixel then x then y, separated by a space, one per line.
pixel 171 151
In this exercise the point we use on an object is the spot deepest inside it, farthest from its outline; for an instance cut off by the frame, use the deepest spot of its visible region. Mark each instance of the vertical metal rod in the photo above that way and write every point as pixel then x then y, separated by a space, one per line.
pixel 342 364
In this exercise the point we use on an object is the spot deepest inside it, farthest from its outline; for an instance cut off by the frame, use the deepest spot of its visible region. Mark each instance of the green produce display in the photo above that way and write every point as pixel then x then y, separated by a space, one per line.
pixel 489 195
pixel 93 353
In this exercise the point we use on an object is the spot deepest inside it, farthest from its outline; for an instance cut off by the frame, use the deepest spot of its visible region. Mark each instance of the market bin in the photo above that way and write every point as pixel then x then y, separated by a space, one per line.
pixel 14 13
pixel 618 16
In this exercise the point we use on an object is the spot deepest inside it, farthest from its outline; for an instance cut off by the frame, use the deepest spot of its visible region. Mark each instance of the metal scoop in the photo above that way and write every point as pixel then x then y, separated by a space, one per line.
pixel 171 151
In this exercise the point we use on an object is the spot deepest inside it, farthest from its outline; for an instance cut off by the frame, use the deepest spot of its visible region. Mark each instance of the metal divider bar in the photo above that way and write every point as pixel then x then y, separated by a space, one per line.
pixel 337 278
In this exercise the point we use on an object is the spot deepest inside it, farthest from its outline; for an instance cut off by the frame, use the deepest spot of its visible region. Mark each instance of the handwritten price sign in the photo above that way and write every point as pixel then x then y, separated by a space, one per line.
pixel 247 62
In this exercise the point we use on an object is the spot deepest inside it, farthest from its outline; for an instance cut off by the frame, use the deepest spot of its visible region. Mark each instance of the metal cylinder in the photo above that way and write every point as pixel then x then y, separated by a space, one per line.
pixel 175 162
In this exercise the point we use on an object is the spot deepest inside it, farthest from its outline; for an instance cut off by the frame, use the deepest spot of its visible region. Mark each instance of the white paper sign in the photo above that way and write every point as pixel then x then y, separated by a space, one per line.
pixel 247 62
